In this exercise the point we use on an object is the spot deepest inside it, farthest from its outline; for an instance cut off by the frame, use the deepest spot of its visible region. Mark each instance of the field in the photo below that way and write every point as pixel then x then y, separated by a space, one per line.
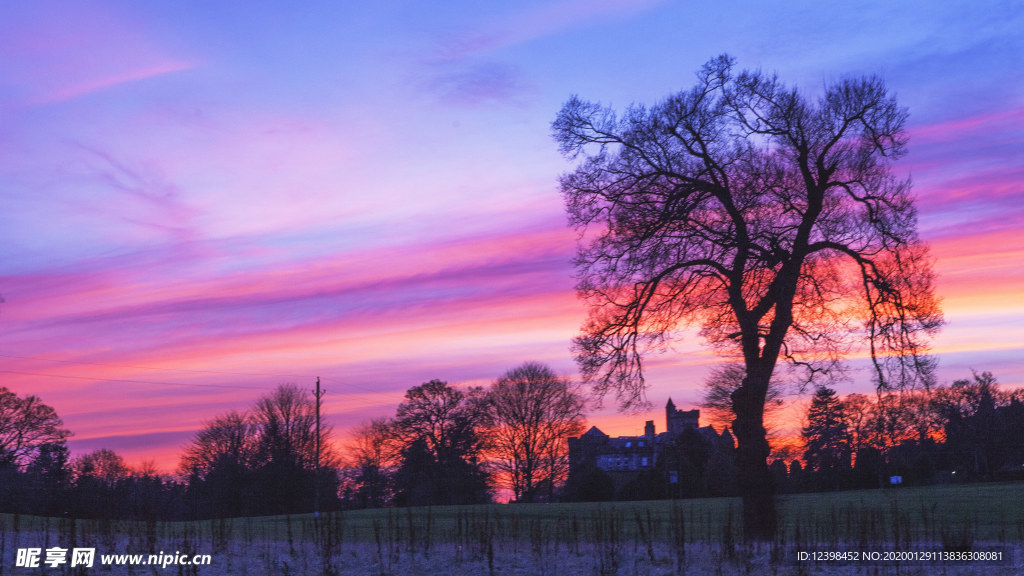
pixel 657 537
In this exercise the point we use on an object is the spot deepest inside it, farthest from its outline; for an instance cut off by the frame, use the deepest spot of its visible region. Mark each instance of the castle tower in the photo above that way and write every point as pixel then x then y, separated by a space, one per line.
pixel 672 421
pixel 678 420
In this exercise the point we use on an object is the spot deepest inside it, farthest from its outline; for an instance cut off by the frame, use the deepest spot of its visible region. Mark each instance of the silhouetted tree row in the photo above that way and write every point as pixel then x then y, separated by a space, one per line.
pixel 263 461
pixel 968 431
pixel 95 485
pixel 965 432
pixel 452 446
pixel 447 445
pixel 38 476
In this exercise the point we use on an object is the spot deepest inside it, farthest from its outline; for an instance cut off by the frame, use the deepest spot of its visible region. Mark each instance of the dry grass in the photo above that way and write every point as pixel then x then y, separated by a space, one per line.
pixel 685 537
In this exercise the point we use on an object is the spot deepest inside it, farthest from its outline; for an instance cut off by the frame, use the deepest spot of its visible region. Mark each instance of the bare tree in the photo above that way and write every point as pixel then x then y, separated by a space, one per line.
pixel 892 419
pixel 768 219
pixel 443 417
pixel 531 413
pixel 374 443
pixel 374 450
pixel 857 412
pixel 227 441
pixel 286 450
pixel 286 424
pixel 103 466
pixel 26 424
pixel 262 460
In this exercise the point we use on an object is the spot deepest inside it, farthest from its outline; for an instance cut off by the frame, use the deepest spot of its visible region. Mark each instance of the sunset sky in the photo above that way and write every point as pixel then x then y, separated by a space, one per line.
pixel 202 200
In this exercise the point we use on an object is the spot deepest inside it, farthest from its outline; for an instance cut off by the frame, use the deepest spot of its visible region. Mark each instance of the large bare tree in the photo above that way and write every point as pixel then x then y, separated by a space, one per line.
pixel 769 219
pixel 531 414
pixel 26 424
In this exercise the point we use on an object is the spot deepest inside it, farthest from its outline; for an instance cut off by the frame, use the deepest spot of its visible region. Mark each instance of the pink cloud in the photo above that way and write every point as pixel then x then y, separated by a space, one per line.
pixel 372 322
pixel 78 50
pixel 95 84
pixel 980 272
pixel 431 310
pixel 956 130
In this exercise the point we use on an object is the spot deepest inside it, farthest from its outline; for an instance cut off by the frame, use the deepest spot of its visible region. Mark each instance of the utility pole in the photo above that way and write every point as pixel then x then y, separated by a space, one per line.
pixel 316 482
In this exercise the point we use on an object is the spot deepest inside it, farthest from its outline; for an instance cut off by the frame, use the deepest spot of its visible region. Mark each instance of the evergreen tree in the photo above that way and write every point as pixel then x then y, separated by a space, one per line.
pixel 826 435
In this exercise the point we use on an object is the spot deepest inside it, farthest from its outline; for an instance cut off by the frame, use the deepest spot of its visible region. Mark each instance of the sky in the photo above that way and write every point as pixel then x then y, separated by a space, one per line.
pixel 200 201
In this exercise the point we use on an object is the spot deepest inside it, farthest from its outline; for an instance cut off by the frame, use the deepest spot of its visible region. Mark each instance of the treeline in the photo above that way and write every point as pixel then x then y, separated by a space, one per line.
pixel 447 445
pixel 968 431
pixel 258 462
pixel 444 445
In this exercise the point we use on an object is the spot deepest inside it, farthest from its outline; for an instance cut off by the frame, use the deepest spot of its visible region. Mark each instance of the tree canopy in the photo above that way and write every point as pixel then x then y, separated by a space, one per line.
pixel 437 426
pixel 826 436
pixel 530 414
pixel 26 424
pixel 767 218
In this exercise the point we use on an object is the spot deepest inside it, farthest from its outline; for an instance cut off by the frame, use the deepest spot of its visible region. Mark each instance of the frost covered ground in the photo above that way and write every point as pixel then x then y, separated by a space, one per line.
pixel 259 556
pixel 694 537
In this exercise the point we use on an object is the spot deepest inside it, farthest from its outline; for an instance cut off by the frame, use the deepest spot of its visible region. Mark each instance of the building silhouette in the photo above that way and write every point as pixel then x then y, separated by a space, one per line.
pixel 624 458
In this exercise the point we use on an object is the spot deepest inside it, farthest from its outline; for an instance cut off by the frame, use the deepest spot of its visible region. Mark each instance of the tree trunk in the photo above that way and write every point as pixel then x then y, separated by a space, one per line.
pixel 757 487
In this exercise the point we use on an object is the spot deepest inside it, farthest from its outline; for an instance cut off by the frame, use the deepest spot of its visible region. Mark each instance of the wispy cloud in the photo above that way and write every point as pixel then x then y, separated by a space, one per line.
pixel 62 55
pixel 463 69
pixel 146 196
pixel 529 23
pixel 487 83
pixel 63 93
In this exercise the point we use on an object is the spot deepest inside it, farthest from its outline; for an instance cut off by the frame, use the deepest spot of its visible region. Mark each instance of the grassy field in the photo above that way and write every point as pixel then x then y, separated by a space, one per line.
pixel 653 537
pixel 992 512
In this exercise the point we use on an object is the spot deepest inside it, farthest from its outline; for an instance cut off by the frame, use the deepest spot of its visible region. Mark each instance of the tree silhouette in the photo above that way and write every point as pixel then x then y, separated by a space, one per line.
pixel 261 461
pixel 531 413
pixel 979 433
pixel 97 476
pixel 26 424
pixel 286 449
pixel 219 464
pixel 50 476
pixel 827 438
pixel 441 450
pixel 226 441
pixel 374 451
pixel 768 219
